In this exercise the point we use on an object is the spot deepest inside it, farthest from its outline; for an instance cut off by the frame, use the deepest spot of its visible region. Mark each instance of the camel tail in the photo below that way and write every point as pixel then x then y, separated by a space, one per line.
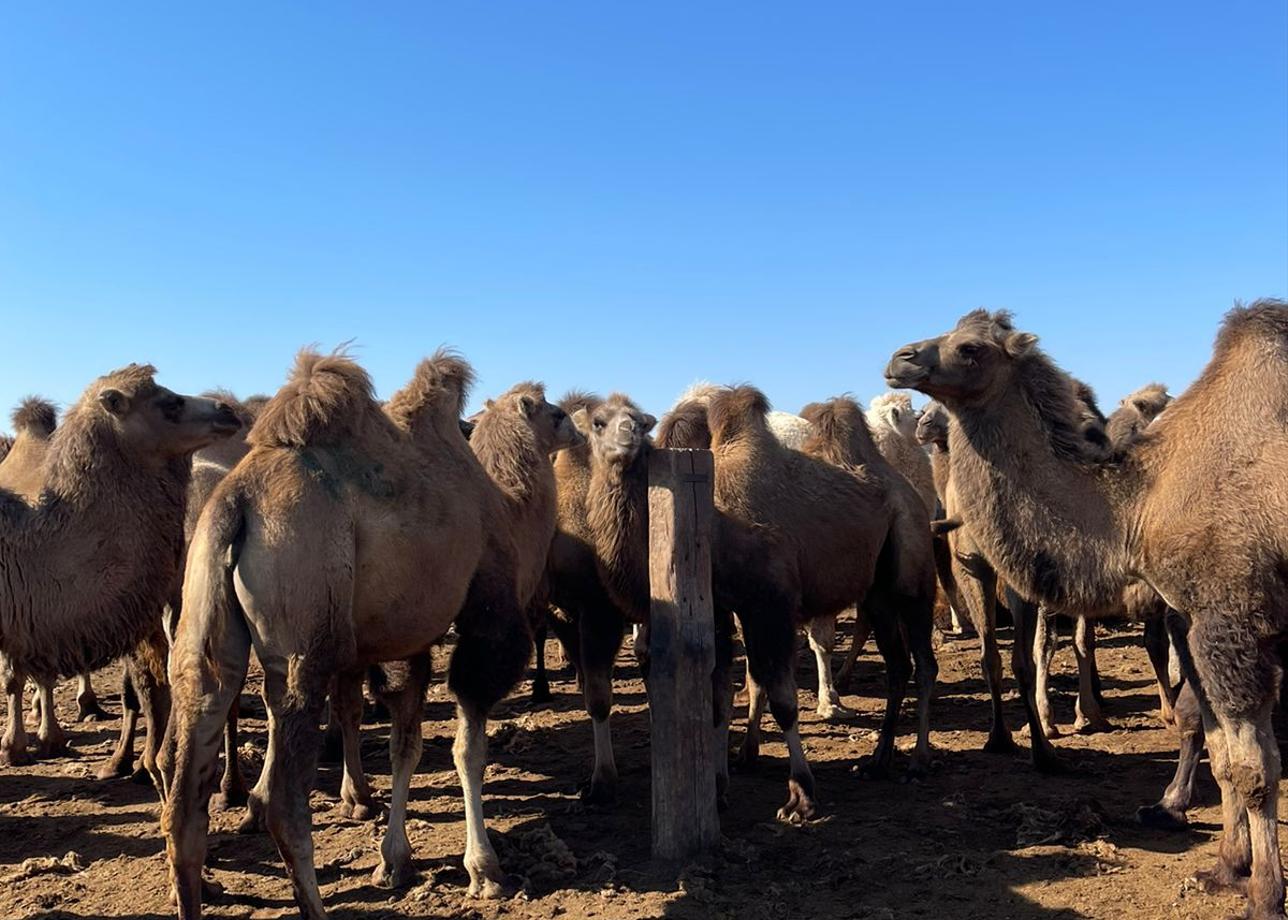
pixel 211 614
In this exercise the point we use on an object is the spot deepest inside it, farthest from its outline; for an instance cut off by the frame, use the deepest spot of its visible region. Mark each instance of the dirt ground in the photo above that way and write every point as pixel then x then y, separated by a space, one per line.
pixel 983 836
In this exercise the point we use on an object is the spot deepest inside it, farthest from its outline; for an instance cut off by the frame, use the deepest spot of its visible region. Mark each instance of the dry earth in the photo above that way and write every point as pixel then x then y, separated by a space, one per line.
pixel 983 837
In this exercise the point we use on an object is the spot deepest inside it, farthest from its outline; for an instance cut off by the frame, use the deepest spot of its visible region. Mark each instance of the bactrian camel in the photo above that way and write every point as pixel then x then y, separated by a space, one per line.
pixel 349 535
pixel 1197 509
pixel 93 558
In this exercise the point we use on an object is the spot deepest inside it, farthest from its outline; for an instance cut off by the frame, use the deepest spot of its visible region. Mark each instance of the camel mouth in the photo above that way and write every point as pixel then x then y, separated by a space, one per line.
pixel 906 378
pixel 225 427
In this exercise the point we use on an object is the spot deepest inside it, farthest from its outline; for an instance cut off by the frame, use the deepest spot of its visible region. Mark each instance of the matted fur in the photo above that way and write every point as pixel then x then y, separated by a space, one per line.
pixel 438 389
pixel 505 443
pixel 325 402
pixel 35 415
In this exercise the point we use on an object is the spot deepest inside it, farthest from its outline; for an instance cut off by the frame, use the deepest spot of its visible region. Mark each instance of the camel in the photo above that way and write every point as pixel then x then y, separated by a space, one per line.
pixel 776 575
pixel 145 688
pixel 513 438
pixel 107 529
pixel 893 424
pixel 22 472
pixel 1195 508
pixel 349 535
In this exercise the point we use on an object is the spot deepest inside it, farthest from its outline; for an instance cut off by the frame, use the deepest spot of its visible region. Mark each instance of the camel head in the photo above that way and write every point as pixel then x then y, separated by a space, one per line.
pixel 1135 413
pixel 971 364
pixel 618 430
pixel 552 426
pixel 150 420
pixel 1091 421
pixel 894 411
pixel 932 427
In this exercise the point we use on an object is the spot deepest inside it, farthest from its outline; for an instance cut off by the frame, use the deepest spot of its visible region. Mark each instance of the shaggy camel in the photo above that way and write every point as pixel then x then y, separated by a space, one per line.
pixel 317 550
pixel 1072 529
pixel 513 438
pixel 144 684
pixel 108 529
pixel 22 472
pixel 799 538
pixel 893 424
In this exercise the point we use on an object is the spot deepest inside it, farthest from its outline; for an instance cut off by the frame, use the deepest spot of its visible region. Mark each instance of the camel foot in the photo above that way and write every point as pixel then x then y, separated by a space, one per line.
pixel 1162 818
pixel 228 799
pixel 1221 879
pixel 1050 763
pixel 831 712
pixel 359 811
pixel 397 875
pixel 254 820
pixel 54 746
pixel 88 710
pixel 16 757
pixel 999 742
pixel 873 769
pixel 1092 726
pixel 210 891
pixel 1051 730
pixel 493 885
pixel 800 804
pixel 918 769
pixel 540 694
pixel 116 768
pixel 599 792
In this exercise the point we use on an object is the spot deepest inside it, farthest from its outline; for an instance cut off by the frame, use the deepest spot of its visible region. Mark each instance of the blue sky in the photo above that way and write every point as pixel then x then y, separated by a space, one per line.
pixel 632 197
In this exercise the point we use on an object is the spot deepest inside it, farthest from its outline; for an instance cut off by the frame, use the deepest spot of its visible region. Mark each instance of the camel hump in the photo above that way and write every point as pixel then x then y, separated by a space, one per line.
pixel 35 416
pixel 437 389
pixel 685 427
pixel 580 399
pixel 323 402
pixel 735 410
pixel 840 429
pixel 1265 319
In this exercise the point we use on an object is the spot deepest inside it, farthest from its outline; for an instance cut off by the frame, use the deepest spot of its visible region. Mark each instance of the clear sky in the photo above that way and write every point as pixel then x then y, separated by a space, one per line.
pixel 632 196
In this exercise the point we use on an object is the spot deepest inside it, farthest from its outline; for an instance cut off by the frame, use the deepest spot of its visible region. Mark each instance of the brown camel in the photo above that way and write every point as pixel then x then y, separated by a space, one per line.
pixel 145 687
pixel 513 438
pixel 107 529
pixel 349 535
pixel 1195 508
pixel 22 472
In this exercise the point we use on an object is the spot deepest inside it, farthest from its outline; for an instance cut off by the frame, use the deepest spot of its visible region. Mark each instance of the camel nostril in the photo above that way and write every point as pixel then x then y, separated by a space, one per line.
pixel 906 354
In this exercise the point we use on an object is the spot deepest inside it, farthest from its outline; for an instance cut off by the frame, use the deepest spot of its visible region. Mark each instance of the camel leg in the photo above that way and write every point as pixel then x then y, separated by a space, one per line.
pixel 1157 647
pixel 356 800
pixel 204 688
pixel 600 638
pixel 232 788
pixel 862 630
pixel 492 649
pixel 722 703
pixel 822 640
pixel 13 747
pixel 1254 765
pixel 53 740
pixel 898 664
pixel 976 590
pixel 121 763
pixel 1025 616
pixel 780 687
pixel 87 707
pixel 757 701
pixel 255 821
pixel 1169 812
pixel 1046 638
pixel 332 737
pixel 540 680
pixel 147 668
pixel 297 722
pixel 1089 718
pixel 918 624
pixel 406 710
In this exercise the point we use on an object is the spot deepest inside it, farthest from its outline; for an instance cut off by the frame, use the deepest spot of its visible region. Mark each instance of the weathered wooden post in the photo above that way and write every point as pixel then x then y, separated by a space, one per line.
pixel 681 652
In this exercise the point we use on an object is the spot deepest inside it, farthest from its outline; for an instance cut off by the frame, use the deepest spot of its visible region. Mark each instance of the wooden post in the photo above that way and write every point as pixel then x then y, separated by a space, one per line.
pixel 681 652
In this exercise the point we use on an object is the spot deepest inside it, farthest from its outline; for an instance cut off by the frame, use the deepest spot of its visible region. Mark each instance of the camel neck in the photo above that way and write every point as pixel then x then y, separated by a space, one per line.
pixel 617 515
pixel 1056 528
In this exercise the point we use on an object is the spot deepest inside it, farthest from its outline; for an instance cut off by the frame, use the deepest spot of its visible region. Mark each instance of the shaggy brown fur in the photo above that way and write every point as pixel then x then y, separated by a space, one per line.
pixel 347 536
pixel 1135 413
pixel 1196 508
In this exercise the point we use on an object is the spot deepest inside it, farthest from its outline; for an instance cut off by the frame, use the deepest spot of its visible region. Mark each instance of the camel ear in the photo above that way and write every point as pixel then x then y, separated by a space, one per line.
pixel 648 422
pixel 1018 344
pixel 526 405
pixel 114 401
pixel 581 418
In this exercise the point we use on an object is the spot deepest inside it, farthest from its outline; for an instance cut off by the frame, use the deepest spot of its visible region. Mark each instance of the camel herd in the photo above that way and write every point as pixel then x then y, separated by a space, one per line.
pixel 339 538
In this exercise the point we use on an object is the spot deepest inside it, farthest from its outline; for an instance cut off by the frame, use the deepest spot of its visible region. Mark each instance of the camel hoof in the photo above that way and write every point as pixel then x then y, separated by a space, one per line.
pixel 832 712
pixel 540 695
pixel 1092 726
pixel 16 757
pixel 253 822
pixel 999 743
pixel 359 811
pixel 1161 818
pixel 870 769
pixel 116 769
pixel 599 793
pixel 228 799
pixel 491 889
pixel 54 747
pixel 800 805
pixel 1051 765
pixel 1051 731
pixel 92 712
pixel 389 877
pixel 1221 880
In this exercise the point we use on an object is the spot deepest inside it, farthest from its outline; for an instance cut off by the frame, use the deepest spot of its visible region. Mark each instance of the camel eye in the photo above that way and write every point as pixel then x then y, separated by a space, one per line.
pixel 598 424
pixel 969 352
